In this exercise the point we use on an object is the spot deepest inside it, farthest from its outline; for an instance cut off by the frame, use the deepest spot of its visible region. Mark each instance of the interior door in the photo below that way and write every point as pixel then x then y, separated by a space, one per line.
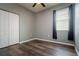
pixel 13 28
pixel 4 33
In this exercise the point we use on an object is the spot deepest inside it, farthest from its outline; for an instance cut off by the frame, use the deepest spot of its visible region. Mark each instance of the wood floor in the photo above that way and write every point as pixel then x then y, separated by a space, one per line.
pixel 38 48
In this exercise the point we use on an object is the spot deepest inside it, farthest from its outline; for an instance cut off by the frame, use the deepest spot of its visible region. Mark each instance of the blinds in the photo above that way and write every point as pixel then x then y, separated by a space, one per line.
pixel 62 19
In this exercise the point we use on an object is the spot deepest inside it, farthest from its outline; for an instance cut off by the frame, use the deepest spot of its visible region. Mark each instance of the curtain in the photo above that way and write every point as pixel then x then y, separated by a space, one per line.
pixel 54 25
pixel 71 23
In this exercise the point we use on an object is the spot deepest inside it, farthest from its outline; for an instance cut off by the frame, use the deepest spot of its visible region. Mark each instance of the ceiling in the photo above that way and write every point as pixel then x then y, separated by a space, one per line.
pixel 38 7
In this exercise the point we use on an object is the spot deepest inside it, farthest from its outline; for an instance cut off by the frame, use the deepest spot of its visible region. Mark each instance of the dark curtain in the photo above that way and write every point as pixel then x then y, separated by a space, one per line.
pixel 54 25
pixel 71 23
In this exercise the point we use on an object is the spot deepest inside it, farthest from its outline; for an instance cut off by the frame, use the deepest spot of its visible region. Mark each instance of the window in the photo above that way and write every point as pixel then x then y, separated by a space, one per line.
pixel 62 19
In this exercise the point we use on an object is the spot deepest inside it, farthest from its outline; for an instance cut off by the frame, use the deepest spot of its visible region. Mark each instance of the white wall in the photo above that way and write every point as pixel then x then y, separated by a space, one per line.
pixel 44 24
pixel 62 36
pixel 77 26
pixel 26 19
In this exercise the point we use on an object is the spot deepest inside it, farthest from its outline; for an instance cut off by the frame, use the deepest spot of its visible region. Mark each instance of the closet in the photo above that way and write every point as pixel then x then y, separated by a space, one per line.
pixel 9 28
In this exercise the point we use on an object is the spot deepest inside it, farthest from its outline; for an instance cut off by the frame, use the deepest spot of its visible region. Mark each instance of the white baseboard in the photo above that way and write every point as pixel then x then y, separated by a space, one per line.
pixel 54 41
pixel 48 41
pixel 76 51
pixel 26 41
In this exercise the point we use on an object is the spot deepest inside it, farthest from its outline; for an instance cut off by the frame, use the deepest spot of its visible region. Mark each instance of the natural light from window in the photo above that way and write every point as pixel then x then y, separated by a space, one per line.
pixel 62 19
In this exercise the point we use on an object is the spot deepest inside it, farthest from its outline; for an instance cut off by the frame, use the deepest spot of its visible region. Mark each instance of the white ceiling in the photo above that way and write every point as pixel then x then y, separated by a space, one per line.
pixel 38 7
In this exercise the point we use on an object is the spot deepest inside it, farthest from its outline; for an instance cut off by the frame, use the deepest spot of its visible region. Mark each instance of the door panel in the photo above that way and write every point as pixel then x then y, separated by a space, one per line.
pixel 4 33
pixel 13 28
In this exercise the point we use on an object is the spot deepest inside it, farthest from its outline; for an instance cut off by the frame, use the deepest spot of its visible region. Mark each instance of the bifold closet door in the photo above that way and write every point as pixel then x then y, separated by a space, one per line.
pixel 9 28
pixel 4 28
pixel 13 28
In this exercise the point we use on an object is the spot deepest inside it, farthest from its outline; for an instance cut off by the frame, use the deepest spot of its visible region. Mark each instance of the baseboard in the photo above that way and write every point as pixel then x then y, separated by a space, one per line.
pixel 76 51
pixel 54 41
pixel 48 41
pixel 26 41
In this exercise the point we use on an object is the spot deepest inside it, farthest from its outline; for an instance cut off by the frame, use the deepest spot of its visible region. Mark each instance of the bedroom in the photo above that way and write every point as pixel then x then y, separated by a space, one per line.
pixel 28 31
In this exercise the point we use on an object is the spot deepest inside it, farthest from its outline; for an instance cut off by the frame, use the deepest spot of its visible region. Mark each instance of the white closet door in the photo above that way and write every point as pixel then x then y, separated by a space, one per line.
pixel 4 33
pixel 14 28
